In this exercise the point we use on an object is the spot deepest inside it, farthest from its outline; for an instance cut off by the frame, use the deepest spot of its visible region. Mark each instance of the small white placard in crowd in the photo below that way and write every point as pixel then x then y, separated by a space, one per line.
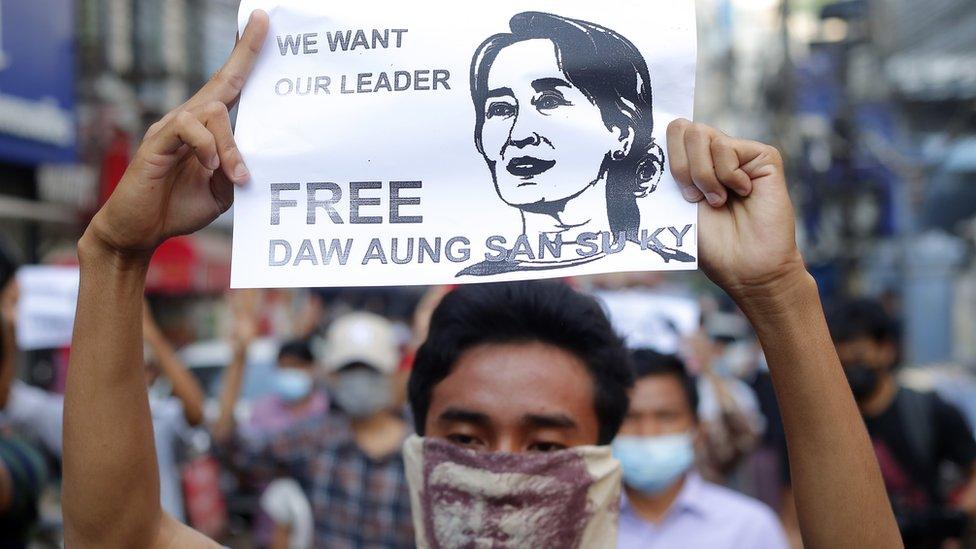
pixel 650 320
pixel 46 309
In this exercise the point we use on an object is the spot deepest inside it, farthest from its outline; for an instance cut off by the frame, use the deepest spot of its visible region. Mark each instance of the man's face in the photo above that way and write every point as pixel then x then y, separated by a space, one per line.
pixel 543 139
pixel 866 352
pixel 658 406
pixel 515 397
pixel 523 398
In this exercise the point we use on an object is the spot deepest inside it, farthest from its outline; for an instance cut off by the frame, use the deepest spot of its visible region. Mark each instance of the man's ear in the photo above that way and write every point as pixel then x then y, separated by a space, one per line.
pixel 649 170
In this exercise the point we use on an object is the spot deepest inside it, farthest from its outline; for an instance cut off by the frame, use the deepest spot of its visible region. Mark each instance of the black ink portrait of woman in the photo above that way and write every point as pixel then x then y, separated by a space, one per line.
pixel 563 119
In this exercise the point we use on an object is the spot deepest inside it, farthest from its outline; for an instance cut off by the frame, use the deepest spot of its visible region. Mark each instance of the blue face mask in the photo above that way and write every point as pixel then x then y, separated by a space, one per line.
pixel 292 385
pixel 652 464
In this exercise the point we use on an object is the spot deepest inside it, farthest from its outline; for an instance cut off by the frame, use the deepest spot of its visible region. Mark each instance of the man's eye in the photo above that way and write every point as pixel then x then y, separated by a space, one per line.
pixel 549 101
pixel 546 447
pixel 463 440
pixel 500 109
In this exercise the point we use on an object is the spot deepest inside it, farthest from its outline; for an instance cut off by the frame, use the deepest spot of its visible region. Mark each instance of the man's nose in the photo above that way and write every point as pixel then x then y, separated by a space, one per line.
pixel 506 443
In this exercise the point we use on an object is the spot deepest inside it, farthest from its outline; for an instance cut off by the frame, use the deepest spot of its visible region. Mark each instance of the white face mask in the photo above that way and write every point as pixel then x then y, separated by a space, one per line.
pixel 361 392
pixel 652 464
pixel 292 385
pixel 463 498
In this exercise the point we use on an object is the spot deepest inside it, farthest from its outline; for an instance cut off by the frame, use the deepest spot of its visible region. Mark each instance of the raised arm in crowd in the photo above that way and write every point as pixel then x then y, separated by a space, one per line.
pixel 182 178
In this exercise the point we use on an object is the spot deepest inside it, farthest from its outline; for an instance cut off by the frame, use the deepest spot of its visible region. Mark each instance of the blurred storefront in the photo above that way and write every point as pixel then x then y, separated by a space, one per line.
pixel 874 104
pixel 39 201
pixel 80 81
pixel 884 117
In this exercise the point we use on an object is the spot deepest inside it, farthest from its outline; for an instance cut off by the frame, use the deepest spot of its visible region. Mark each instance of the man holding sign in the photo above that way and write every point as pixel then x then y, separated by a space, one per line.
pixel 183 176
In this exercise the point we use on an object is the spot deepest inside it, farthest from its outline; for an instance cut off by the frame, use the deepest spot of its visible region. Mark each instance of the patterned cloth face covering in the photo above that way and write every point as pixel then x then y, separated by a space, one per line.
pixel 462 498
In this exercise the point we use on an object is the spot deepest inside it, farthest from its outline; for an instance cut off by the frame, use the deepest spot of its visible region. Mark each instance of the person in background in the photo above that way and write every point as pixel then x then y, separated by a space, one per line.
pixel 730 419
pixel 30 410
pixel 475 400
pixel 914 433
pixel 173 415
pixel 295 395
pixel 418 330
pixel 39 414
pixel 23 469
pixel 23 474
pixel 746 447
pixel 295 398
pixel 767 466
pixel 665 502
pixel 349 461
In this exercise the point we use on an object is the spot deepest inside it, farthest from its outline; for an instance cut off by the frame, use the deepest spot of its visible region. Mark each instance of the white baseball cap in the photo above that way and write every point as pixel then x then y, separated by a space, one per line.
pixel 361 337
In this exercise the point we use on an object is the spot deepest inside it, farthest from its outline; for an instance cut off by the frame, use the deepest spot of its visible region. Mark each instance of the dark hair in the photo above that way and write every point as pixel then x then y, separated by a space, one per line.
pixel 648 362
pixel 856 318
pixel 610 71
pixel 298 348
pixel 545 311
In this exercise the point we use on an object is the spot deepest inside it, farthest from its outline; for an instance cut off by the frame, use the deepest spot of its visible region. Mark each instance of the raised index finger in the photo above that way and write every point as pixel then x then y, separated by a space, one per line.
pixel 226 85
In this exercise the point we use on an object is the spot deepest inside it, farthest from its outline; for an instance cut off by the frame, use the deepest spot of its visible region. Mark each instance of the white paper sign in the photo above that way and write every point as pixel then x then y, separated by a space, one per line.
pixel 650 320
pixel 46 308
pixel 396 143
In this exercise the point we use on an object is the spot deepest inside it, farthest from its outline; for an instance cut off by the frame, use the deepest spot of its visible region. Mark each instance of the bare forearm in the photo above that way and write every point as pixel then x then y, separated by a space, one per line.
pixel 185 386
pixel 111 480
pixel 229 393
pixel 840 496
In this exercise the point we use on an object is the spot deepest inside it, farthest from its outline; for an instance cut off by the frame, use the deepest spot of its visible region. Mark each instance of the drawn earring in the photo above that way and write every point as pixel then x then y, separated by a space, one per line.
pixel 619 155
pixel 648 174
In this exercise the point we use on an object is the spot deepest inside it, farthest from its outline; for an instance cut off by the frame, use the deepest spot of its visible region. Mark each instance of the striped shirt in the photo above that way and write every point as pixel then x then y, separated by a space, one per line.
pixel 357 502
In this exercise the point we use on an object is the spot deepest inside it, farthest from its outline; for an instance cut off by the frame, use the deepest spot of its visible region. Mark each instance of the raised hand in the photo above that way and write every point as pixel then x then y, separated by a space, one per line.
pixel 748 247
pixel 183 175
pixel 244 306
pixel 746 227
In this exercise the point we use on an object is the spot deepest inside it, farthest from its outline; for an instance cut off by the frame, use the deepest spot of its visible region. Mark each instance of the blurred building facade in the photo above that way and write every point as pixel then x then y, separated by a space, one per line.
pixel 874 103
pixel 116 66
pixel 885 107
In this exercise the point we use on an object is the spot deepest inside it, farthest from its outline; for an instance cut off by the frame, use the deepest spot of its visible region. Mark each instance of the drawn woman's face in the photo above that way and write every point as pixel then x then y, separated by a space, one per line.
pixel 544 141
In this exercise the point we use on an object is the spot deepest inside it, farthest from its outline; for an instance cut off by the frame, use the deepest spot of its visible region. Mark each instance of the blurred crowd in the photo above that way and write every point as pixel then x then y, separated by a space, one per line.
pixel 292 435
